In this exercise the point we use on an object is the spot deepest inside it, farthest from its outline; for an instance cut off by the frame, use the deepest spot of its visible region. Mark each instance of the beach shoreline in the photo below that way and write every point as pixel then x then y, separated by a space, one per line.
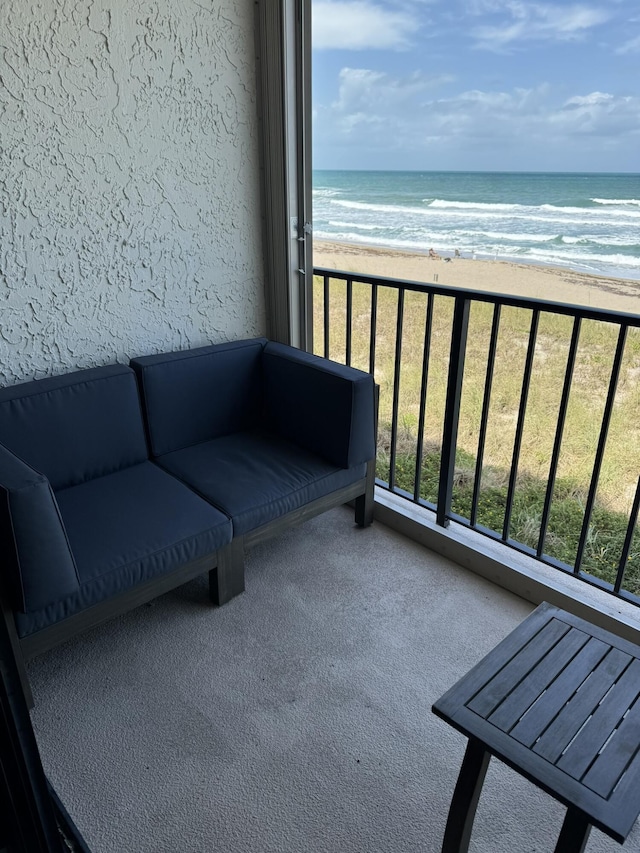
pixel 550 283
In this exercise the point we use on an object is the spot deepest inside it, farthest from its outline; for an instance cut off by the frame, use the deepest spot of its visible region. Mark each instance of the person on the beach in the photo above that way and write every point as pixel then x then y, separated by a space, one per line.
pixel 434 255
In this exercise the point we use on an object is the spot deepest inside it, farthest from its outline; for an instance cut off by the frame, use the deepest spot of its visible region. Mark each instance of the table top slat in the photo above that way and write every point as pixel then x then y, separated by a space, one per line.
pixel 608 768
pixel 518 668
pixel 484 670
pixel 533 724
pixel 518 702
pixel 589 741
pixel 577 710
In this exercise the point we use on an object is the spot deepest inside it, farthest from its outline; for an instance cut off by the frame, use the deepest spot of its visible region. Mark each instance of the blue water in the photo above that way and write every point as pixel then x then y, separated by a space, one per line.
pixel 585 222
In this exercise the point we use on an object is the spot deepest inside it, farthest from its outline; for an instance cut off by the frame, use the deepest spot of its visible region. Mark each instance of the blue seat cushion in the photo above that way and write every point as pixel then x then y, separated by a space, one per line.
pixel 255 477
pixel 126 528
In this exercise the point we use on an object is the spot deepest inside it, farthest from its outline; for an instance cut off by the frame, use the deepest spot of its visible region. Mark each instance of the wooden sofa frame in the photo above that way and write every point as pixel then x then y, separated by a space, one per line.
pixel 225 568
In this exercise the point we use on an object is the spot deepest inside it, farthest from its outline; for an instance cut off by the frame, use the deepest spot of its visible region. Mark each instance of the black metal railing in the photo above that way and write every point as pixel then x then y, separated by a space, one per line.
pixel 420 341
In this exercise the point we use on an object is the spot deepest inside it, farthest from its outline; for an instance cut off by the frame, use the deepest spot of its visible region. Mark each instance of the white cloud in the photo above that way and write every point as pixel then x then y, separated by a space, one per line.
pixel 593 99
pixel 534 21
pixel 599 114
pixel 362 89
pixel 632 46
pixel 377 111
pixel 359 25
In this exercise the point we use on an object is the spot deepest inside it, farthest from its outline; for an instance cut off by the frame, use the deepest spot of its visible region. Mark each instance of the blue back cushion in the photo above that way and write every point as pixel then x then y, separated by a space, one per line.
pixel 321 405
pixel 75 427
pixel 196 395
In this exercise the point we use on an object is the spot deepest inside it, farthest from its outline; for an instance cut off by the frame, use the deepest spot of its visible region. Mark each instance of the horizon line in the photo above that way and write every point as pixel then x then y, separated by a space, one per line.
pixel 481 171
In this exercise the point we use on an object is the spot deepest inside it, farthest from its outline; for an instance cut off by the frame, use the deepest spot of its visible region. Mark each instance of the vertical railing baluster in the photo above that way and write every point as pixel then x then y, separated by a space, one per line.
pixel 424 378
pixel 310 305
pixel 602 441
pixel 396 390
pixel 463 300
pixel 628 540
pixel 374 326
pixel 557 444
pixel 517 444
pixel 459 331
pixel 349 329
pixel 484 418
pixel 326 316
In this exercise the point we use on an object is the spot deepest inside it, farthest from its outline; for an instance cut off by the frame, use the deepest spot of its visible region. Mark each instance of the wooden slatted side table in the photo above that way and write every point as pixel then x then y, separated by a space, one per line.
pixel 558 700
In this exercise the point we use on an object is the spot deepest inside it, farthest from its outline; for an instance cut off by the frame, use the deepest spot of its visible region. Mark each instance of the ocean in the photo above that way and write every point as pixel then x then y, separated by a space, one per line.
pixel 585 222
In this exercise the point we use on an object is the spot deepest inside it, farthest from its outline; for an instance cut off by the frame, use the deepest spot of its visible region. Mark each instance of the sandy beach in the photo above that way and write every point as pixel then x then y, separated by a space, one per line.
pixel 550 283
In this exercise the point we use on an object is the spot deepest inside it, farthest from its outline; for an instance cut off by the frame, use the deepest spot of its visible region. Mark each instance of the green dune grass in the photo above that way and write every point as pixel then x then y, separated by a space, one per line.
pixel 591 378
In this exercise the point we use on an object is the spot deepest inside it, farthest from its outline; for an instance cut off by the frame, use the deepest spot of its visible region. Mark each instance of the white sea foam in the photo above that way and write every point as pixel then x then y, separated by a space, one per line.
pixel 325 192
pixel 596 259
pixel 505 216
pixel 616 201
pixel 472 205
pixel 361 226
pixel 380 208
pixel 591 211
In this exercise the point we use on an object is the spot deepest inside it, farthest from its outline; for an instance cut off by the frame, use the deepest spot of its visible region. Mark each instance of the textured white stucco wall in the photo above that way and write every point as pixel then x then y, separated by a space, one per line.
pixel 129 182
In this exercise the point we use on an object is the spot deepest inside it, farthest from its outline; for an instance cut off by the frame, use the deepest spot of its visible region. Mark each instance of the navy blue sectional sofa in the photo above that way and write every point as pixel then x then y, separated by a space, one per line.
pixel 121 482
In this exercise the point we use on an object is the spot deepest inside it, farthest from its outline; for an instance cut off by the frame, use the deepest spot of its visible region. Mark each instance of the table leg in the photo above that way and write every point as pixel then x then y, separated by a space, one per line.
pixel 574 833
pixel 465 798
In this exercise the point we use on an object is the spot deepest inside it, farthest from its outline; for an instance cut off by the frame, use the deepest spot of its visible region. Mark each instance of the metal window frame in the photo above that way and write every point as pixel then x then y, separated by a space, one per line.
pixel 283 41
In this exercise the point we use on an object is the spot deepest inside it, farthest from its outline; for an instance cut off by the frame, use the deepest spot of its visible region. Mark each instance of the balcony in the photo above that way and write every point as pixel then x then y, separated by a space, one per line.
pixel 298 717
pixel 514 417
pixel 295 718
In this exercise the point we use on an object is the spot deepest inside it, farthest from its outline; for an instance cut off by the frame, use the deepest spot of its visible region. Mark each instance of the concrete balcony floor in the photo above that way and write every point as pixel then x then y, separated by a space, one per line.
pixel 296 718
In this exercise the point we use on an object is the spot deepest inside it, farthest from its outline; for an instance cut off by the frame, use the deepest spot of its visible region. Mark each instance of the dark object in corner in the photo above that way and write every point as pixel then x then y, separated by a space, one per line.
pixel 33 818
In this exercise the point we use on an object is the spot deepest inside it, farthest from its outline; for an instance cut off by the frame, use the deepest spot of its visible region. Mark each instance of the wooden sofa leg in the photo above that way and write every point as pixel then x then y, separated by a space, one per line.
pixel 364 503
pixel 227 579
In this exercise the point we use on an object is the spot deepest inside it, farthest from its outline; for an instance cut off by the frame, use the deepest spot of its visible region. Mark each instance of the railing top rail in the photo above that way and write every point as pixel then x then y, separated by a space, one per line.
pixel 532 303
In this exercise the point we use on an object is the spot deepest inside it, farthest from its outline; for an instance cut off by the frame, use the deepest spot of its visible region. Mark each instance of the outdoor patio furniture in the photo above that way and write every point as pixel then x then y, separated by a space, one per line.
pixel 558 701
pixel 116 487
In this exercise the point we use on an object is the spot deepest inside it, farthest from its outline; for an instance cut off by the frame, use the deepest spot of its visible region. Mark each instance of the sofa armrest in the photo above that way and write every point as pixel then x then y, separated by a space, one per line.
pixel 34 541
pixel 326 407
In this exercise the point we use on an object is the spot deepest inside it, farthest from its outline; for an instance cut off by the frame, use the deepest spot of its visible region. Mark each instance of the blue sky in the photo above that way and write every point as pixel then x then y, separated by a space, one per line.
pixel 476 85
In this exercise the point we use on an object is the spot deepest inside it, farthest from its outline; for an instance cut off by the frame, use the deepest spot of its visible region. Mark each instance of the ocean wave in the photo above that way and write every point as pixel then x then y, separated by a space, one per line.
pixel 589 212
pixel 474 205
pixel 552 217
pixel 418 245
pixel 459 209
pixel 326 192
pixel 359 225
pixel 559 239
pixel 465 234
pixel 596 259
pixel 581 222
pixel 616 201
pixel 617 264
pixel 376 208
pixel 601 240
pixel 518 237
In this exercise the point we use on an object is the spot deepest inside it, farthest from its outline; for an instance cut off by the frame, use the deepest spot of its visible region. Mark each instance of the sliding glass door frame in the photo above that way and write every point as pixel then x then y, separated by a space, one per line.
pixel 284 87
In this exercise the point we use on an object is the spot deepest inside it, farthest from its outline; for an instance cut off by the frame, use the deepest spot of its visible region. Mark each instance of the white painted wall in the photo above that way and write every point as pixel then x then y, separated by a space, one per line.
pixel 129 180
